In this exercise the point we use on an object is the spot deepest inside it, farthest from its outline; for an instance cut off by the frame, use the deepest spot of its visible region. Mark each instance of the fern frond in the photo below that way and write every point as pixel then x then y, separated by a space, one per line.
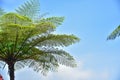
pixel 12 22
pixel 55 20
pixel 52 40
pixel 48 59
pixel 30 9
pixel 40 62
pixel 44 27
pixel 15 18
pixel 114 34
pixel 42 16
pixel 61 56
pixel 45 63
pixel 20 65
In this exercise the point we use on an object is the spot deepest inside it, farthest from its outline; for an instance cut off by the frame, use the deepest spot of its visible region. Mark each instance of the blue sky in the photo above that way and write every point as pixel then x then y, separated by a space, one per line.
pixel 92 21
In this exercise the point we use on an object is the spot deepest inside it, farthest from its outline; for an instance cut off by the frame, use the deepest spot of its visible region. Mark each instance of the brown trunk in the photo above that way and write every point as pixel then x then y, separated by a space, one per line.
pixel 11 70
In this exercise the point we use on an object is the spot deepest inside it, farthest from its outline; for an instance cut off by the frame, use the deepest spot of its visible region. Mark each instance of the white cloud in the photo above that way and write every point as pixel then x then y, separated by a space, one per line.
pixel 67 73
pixel 73 74
pixel 64 73
pixel 80 73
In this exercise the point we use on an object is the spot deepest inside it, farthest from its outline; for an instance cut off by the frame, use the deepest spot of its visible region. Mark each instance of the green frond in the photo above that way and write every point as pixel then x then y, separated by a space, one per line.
pixel 45 63
pixel 114 34
pixel 4 48
pixel 48 59
pixel 41 16
pixel 43 27
pixel 53 40
pixel 39 61
pixel 12 22
pixel 14 18
pixel 30 9
pixel 20 65
pixel 61 56
pixel 55 20
pixel 1 12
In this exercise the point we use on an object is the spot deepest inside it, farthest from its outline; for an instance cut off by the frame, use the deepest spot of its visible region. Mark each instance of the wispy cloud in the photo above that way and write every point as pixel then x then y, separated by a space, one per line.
pixel 79 73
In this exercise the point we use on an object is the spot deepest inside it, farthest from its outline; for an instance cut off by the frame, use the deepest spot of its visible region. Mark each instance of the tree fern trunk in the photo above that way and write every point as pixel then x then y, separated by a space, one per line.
pixel 11 70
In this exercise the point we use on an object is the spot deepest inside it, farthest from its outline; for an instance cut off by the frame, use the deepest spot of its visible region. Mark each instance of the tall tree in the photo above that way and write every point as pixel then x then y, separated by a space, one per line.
pixel 27 39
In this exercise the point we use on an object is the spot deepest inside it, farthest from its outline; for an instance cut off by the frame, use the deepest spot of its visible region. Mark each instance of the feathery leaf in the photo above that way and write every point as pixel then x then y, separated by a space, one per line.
pixel 30 9
pixel 114 34
pixel 55 20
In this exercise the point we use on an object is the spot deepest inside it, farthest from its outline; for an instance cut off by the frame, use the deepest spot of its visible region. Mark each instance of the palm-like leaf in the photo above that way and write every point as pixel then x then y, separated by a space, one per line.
pixel 114 34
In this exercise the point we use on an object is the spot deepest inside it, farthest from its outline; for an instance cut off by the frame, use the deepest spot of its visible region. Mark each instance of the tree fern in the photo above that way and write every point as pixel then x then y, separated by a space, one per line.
pixel 26 39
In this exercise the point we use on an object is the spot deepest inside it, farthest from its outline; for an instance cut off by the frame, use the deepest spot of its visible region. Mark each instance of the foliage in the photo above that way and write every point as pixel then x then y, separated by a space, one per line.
pixel 30 9
pixel 115 33
pixel 25 41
